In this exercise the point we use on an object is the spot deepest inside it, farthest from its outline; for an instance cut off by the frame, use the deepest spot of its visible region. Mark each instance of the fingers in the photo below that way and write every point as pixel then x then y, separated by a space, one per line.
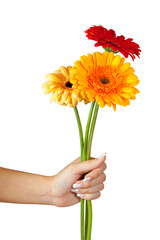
pixel 89 189
pixel 96 172
pixel 81 184
pixel 87 166
pixel 89 196
pixel 93 189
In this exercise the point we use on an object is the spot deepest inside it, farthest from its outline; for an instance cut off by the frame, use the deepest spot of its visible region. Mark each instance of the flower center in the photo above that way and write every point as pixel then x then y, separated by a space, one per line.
pixel 104 80
pixel 69 84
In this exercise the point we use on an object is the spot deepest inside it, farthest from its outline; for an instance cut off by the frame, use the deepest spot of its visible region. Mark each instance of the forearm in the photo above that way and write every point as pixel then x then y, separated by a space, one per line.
pixel 22 187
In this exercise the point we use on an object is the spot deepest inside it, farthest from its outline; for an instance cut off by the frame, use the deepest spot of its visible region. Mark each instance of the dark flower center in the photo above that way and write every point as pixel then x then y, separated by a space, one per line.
pixel 69 84
pixel 104 80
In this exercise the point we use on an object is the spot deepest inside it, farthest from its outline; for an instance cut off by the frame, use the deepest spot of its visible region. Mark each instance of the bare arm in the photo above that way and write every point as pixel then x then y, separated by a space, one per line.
pixel 22 187
pixel 63 189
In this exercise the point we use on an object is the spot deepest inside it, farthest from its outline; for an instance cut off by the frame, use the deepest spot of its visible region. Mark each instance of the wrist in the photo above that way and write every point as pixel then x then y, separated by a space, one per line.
pixel 48 194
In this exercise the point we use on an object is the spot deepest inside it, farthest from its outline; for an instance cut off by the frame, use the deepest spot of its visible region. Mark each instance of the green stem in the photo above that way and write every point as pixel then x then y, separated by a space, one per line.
pixel 84 156
pixel 82 220
pixel 80 129
pixel 81 144
pixel 89 203
pixel 86 219
pixel 92 130
pixel 89 229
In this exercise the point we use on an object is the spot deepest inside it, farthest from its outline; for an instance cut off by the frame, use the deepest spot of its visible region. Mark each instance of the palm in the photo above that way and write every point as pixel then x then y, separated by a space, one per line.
pixel 64 182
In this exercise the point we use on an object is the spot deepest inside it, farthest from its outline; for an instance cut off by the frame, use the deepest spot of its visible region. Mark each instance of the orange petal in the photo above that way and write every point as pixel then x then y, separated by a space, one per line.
pixel 114 106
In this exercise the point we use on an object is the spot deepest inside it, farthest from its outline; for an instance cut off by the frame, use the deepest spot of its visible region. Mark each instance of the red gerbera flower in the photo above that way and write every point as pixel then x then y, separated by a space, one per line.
pixel 108 40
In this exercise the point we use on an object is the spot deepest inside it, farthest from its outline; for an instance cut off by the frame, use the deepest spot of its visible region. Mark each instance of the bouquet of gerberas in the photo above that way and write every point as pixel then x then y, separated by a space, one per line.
pixel 100 79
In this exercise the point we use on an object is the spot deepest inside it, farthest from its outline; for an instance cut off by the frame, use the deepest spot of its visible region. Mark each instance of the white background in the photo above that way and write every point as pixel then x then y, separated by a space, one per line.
pixel 37 37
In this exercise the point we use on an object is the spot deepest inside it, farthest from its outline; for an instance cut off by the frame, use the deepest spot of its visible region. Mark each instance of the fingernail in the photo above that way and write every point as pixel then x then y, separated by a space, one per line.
pixel 87 179
pixel 77 185
pixel 80 195
pixel 75 190
pixel 104 154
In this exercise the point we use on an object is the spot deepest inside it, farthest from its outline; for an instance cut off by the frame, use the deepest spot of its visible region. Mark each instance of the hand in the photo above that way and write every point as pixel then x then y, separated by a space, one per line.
pixel 67 187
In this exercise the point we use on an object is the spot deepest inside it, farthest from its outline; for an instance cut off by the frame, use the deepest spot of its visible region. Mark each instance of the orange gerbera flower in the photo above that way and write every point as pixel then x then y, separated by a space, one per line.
pixel 61 88
pixel 105 78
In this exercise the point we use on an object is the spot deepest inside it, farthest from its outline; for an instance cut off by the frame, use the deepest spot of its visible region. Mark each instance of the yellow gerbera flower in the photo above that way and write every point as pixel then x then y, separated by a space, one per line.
pixel 105 78
pixel 61 88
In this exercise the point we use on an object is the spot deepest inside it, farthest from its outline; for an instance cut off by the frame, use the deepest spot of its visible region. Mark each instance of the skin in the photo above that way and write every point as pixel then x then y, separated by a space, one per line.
pixel 58 190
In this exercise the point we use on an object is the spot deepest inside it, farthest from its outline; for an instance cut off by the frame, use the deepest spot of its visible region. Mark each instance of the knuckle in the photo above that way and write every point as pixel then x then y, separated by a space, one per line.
pixel 87 184
pixel 98 195
pixel 105 166
pixel 93 196
pixel 81 191
pixel 89 162
pixel 96 173
pixel 102 186
pixel 73 168
pixel 104 177
pixel 89 196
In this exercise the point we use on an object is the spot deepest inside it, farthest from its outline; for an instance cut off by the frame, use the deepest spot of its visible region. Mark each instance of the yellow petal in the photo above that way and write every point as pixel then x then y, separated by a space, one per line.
pixel 107 99
pixel 125 95
pixel 134 83
pixel 131 78
pixel 58 78
pixel 74 101
pixel 84 62
pixel 116 61
pixel 105 54
pixel 49 76
pixel 130 70
pixel 116 99
pixel 100 101
pixel 52 98
pixel 136 90
pixel 110 58
pixel 121 62
pixel 125 102
pixel 124 67
pixel 100 59
pixel 79 66
pixel 64 71
pixel 90 59
pixel 90 94
pixel 128 89
pixel 48 91
pixel 65 95
pixel 96 56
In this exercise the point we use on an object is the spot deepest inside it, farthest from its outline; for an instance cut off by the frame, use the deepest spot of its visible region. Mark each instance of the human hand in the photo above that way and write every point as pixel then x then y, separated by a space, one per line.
pixel 67 187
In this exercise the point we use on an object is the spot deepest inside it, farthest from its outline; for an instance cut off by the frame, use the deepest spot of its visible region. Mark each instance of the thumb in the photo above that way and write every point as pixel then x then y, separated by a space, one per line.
pixel 89 165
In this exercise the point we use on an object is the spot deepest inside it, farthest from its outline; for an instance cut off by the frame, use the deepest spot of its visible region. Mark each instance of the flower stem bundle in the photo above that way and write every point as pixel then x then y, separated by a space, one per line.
pixel 86 219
